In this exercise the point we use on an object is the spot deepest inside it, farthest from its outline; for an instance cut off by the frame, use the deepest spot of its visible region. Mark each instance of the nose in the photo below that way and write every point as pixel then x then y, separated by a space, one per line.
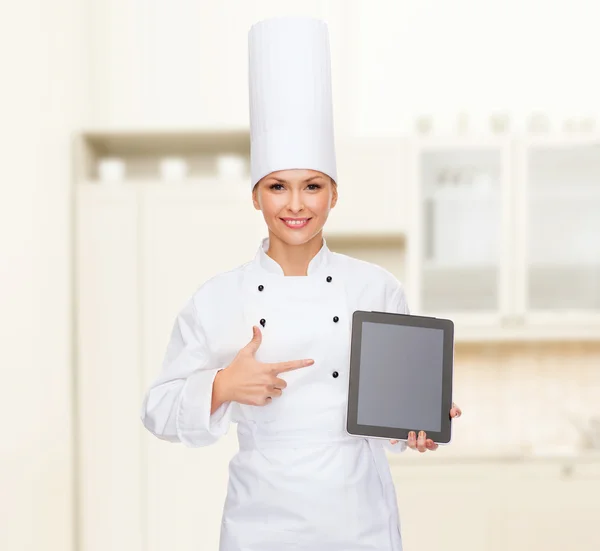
pixel 296 203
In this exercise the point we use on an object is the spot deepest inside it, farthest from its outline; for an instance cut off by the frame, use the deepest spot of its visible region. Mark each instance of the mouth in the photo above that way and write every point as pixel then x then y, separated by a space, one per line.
pixel 295 223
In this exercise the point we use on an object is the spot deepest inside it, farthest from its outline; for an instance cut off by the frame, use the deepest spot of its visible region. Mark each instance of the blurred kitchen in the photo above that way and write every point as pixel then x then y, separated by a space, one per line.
pixel 468 150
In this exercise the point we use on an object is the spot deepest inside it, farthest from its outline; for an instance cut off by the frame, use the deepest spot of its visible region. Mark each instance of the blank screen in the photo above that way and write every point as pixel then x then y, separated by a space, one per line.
pixel 401 377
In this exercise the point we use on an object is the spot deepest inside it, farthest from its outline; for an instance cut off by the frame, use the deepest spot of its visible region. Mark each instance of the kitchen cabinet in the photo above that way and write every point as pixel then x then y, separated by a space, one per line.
pixel 558 249
pixel 504 236
pixel 468 214
pixel 184 244
pixel 108 364
pixel 143 249
pixel 144 245
pixel 460 228
pixel 495 503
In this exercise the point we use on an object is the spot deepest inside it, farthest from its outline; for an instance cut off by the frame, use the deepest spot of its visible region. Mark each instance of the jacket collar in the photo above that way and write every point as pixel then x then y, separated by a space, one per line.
pixel 317 264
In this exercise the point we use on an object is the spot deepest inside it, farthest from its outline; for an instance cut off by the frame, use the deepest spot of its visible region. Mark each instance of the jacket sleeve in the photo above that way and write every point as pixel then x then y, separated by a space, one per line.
pixel 177 405
pixel 397 303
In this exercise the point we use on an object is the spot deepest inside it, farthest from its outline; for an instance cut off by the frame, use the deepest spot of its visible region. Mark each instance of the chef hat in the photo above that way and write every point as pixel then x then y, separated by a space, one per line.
pixel 291 111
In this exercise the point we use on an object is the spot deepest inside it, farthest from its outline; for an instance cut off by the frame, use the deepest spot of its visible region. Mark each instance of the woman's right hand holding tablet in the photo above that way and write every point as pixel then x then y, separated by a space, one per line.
pixel 248 381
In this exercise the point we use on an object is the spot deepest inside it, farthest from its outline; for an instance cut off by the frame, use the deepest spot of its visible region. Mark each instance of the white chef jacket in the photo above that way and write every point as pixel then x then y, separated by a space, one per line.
pixel 298 481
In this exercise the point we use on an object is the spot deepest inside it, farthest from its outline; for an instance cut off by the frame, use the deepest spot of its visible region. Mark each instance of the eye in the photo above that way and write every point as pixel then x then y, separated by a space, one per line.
pixel 312 187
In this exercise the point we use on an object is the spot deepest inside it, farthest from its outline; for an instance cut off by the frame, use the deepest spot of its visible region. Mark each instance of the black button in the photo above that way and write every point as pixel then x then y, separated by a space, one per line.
pixel 335 374
pixel 263 321
pixel 336 319
pixel 329 278
pixel 260 287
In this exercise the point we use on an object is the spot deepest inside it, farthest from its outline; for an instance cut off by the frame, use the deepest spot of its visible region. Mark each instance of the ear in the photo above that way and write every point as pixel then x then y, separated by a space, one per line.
pixel 255 201
pixel 334 194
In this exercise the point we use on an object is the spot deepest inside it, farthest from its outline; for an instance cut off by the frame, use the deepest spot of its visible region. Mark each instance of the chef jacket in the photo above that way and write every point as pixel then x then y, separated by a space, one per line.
pixel 298 481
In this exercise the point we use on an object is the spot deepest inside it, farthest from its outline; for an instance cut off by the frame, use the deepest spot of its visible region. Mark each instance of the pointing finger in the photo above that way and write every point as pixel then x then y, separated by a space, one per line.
pixel 282 367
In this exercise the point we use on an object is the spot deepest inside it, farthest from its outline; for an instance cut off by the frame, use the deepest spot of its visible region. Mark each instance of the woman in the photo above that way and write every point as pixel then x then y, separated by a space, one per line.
pixel 299 480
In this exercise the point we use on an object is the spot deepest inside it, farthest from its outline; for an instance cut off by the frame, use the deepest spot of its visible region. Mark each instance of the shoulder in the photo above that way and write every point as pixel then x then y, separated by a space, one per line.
pixel 368 272
pixel 219 287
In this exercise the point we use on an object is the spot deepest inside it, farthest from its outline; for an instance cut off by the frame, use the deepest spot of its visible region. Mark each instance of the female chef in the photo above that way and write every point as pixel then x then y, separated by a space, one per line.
pixel 266 345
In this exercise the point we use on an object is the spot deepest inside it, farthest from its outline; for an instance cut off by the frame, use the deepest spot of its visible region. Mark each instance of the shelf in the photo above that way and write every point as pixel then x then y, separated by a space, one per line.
pixel 205 153
pixel 561 141
pixel 489 326
pixel 154 142
pixel 526 333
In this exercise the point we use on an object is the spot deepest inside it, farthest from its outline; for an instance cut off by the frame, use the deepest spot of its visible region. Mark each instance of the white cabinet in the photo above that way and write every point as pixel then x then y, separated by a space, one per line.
pixel 187 239
pixel 460 228
pixel 108 370
pixel 558 211
pixel 504 236
pixel 494 504
pixel 142 251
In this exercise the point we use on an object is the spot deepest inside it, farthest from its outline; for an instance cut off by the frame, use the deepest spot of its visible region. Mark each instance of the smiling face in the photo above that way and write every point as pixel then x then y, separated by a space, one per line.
pixel 295 203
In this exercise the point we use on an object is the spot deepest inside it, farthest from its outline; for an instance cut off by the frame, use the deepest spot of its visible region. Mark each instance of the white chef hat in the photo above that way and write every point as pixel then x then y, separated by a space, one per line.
pixel 291 108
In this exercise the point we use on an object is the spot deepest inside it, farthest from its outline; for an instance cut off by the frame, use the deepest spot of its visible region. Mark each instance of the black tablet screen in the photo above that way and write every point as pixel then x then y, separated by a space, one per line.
pixel 400 376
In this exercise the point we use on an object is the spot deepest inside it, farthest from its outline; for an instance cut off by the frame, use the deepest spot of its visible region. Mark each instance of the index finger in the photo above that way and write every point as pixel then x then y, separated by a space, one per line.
pixel 282 367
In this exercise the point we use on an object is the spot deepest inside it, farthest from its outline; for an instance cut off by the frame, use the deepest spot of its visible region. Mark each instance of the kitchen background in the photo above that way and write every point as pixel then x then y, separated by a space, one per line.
pixel 468 145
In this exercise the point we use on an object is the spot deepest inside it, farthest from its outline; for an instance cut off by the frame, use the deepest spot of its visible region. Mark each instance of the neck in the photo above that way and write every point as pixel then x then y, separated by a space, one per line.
pixel 294 259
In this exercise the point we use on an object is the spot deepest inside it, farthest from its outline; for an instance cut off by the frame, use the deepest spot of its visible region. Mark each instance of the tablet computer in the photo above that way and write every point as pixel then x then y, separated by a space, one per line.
pixel 400 380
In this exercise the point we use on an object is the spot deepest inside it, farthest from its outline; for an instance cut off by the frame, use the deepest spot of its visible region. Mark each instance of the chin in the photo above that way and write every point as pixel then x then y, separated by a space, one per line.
pixel 296 237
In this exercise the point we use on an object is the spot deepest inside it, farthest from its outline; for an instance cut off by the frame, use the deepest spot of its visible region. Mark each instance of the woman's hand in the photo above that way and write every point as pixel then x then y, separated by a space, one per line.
pixel 422 443
pixel 248 381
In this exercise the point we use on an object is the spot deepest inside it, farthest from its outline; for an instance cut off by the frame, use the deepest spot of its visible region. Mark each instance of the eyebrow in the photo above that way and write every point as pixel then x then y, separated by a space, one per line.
pixel 304 181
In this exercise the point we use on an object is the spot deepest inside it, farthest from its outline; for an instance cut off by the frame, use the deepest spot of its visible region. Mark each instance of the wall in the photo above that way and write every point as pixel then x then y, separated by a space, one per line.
pixel 43 94
pixel 185 62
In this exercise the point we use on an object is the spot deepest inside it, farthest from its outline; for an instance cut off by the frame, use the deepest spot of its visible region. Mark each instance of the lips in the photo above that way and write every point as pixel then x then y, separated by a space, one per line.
pixel 295 223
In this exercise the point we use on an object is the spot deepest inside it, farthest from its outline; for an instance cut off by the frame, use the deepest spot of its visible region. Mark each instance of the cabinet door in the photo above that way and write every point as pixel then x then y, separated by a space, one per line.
pixel 493 505
pixel 459 256
pixel 559 246
pixel 548 510
pixel 108 380
pixel 188 236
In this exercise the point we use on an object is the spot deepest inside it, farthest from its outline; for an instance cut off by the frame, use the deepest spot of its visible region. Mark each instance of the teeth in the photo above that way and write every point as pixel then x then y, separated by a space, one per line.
pixel 295 222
